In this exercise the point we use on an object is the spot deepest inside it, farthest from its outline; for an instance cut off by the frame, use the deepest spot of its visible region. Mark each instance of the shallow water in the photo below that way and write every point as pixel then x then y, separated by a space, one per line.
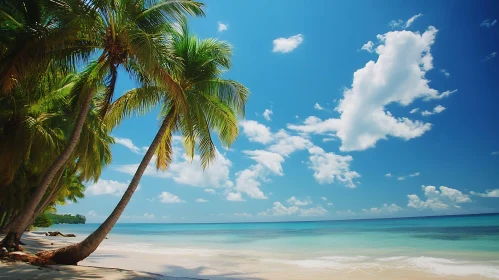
pixel 451 245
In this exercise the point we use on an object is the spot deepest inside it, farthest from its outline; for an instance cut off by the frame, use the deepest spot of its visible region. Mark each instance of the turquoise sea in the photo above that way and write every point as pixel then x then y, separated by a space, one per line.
pixel 470 235
pixel 447 245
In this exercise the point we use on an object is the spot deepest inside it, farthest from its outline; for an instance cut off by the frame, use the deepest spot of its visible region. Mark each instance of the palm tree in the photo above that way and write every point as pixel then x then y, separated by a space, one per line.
pixel 129 34
pixel 33 128
pixel 34 40
pixel 214 104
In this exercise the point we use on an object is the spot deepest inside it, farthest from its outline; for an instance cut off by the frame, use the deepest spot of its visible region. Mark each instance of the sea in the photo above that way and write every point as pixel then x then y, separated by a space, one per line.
pixel 446 245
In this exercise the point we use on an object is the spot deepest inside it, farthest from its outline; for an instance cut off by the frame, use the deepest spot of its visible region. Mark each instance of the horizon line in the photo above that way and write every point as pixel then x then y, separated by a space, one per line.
pixel 314 221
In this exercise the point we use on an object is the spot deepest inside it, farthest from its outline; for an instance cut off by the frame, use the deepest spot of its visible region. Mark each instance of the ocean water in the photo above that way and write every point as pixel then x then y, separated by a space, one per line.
pixel 446 245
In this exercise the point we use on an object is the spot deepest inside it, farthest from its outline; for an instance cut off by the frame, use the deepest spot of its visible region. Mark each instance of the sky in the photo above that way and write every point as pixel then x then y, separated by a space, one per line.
pixel 358 109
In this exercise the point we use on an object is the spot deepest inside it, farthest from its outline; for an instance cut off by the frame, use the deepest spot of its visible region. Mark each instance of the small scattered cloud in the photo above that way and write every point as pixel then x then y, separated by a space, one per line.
pixel 267 113
pixel 345 213
pixel 129 144
pixel 401 24
pixel 232 196
pixel 386 208
pixel 444 198
pixel 313 211
pixel 412 19
pixel 212 191
pixel 244 214
pixel 186 170
pixel 403 177
pixel 324 198
pixel 414 174
pixel 413 111
pixel 487 193
pixel 437 110
pixel 286 45
pixel 329 204
pixel 490 56
pixel 222 27
pixel 294 201
pixel 446 74
pixel 317 106
pixel 368 46
pixel 201 200
pixel 148 216
pixel 103 187
pixel 280 210
pixel 256 132
pixel 488 23
pixel 166 197
pixel 328 139
pixel 495 153
pixel 329 167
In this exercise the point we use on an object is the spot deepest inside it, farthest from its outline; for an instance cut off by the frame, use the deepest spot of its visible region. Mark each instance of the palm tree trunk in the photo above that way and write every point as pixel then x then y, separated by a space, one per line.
pixel 72 254
pixel 11 240
pixel 46 200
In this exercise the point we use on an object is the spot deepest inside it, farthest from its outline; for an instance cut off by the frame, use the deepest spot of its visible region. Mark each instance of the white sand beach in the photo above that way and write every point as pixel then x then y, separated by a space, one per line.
pixel 111 262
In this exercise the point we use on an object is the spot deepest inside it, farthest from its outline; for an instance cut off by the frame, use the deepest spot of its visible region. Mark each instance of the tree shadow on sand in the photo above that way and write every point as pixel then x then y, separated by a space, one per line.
pixel 22 271
pixel 197 273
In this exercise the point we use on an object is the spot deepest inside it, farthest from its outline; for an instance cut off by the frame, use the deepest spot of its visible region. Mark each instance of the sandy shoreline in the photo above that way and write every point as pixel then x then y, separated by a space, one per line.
pixel 21 271
pixel 115 261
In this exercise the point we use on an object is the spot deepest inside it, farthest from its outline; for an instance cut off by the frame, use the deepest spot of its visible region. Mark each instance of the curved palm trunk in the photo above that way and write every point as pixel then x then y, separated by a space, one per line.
pixel 72 254
pixel 11 240
pixel 49 198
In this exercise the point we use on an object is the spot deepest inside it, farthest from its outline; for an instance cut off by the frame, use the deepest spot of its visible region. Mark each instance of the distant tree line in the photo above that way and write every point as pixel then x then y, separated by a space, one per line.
pixel 48 219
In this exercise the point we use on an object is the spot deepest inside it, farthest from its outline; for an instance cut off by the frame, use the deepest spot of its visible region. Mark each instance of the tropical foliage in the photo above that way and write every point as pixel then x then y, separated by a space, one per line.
pixel 59 65
pixel 66 218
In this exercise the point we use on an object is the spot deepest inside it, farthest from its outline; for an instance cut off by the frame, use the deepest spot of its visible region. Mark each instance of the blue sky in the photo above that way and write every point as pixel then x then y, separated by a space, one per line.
pixel 361 109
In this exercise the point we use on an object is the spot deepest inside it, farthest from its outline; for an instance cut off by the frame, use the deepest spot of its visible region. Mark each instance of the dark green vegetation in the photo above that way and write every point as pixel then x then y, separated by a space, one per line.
pixel 43 221
pixel 48 219
pixel 66 218
pixel 59 63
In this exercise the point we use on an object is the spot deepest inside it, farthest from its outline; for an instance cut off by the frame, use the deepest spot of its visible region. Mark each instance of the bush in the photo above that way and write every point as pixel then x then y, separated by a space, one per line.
pixel 42 221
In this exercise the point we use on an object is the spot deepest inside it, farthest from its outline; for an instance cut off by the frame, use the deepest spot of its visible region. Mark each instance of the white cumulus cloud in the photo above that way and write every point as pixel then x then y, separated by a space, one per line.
pixel 201 200
pixel 386 208
pixel 438 200
pixel 487 193
pixel 286 45
pixel 166 197
pixel 398 76
pixel 294 201
pixel 232 196
pixel 314 211
pixel 107 187
pixel 329 167
pixel 280 210
pixel 184 171
pixel 256 132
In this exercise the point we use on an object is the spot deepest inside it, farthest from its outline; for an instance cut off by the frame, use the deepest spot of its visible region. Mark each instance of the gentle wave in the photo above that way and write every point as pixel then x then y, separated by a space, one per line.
pixel 439 266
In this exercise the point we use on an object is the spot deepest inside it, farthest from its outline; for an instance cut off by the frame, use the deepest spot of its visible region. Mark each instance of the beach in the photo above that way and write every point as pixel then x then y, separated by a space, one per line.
pixel 274 251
